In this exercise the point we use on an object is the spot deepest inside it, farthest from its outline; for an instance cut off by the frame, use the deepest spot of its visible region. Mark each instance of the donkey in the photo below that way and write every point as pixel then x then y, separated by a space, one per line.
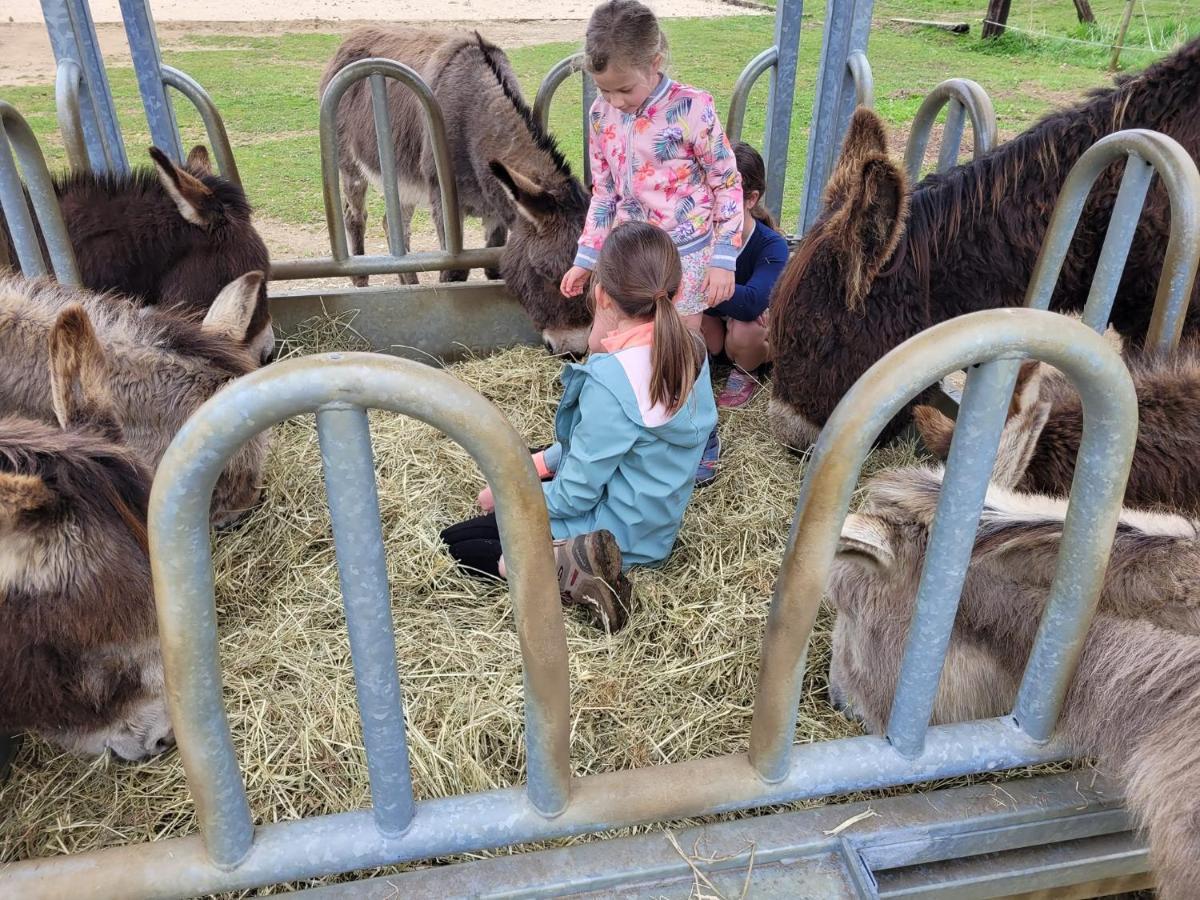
pixel 79 656
pixel 1044 427
pixel 1135 699
pixel 167 235
pixel 508 170
pixel 161 365
pixel 885 262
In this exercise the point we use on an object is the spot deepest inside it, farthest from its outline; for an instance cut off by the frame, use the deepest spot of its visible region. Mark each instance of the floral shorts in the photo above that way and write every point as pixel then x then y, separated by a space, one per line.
pixel 690 299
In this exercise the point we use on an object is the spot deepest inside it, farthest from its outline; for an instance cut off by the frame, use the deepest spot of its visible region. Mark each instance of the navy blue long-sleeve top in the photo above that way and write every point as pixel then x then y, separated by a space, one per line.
pixel 759 266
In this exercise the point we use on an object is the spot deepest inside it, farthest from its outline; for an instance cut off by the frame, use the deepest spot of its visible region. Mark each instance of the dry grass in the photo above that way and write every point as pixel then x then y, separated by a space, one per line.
pixel 675 685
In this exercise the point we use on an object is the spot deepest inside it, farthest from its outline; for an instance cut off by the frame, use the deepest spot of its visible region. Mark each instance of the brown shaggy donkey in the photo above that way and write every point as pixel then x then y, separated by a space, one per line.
pixel 1041 436
pixel 885 261
pixel 79 657
pixel 507 168
pixel 1135 701
pixel 161 365
pixel 166 235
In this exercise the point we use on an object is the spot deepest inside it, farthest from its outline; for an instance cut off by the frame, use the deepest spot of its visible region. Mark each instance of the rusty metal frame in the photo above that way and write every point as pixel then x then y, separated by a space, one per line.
pixel 965 98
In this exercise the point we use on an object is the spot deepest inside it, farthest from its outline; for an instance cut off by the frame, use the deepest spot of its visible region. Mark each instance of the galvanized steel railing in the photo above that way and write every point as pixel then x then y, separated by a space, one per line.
pixel 340 262
pixel 560 72
pixel 231 854
pixel 965 98
pixel 214 125
pixel 15 134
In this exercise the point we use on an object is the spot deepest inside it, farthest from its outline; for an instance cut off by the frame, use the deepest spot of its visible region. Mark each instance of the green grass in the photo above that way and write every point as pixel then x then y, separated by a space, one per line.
pixel 266 87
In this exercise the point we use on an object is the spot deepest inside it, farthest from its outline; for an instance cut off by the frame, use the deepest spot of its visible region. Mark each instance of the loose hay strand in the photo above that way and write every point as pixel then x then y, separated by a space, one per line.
pixel 676 684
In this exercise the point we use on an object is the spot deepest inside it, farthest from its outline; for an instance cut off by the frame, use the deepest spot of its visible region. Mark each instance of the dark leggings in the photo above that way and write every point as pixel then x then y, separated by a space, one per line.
pixel 475 544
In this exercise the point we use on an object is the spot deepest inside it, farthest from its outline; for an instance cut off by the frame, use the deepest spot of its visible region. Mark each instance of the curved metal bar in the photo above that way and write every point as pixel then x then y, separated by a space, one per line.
pixel 864 81
pixel 214 126
pixel 452 238
pixel 181 560
pixel 1182 182
pixel 559 72
pixel 754 70
pixel 67 85
pixel 15 134
pixel 1110 411
pixel 964 96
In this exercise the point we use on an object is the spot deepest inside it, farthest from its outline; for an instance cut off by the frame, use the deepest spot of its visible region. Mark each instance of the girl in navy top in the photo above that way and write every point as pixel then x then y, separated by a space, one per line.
pixel 739 325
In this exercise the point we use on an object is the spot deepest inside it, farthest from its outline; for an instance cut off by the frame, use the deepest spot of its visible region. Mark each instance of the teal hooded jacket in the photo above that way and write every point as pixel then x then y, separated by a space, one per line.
pixel 618 464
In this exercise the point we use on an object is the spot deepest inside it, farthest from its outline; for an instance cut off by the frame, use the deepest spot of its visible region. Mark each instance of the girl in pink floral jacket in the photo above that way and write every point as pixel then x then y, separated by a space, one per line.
pixel 658 155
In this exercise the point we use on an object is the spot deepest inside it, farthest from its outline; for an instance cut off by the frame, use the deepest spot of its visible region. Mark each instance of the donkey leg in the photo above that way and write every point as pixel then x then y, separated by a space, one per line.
pixel 354 211
pixel 495 235
pixel 406 217
pixel 439 220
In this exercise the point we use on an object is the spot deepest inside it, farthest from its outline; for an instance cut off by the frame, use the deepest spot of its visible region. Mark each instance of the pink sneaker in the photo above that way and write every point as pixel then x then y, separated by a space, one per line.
pixel 738 390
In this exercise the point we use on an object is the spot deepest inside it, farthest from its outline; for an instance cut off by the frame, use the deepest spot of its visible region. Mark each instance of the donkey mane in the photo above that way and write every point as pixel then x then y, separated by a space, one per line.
pixel 142 182
pixel 543 141
pixel 941 203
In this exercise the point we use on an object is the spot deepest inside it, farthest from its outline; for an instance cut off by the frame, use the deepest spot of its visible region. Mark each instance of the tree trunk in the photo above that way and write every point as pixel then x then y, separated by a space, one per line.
pixel 1083 9
pixel 996 18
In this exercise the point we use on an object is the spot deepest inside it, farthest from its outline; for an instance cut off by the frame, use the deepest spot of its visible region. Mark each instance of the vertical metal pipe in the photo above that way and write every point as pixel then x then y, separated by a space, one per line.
pixel 749 76
pixel 559 72
pixel 952 135
pixel 589 97
pixel 147 65
pixel 1126 211
pixel 964 486
pixel 16 212
pixel 864 80
pixel 73 37
pixel 70 122
pixel 345 438
pixel 781 98
pixel 15 134
pixel 387 165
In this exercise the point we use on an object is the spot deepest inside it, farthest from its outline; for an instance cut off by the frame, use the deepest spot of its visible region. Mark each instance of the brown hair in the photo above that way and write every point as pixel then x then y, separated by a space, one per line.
pixel 754 179
pixel 625 32
pixel 640 270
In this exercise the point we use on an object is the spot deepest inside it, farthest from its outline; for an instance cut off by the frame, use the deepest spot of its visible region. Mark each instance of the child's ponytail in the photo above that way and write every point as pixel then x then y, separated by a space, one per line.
pixel 640 269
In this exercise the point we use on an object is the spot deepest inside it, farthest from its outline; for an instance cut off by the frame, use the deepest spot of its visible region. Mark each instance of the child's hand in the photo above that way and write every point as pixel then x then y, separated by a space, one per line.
pixel 718 286
pixel 486 501
pixel 573 282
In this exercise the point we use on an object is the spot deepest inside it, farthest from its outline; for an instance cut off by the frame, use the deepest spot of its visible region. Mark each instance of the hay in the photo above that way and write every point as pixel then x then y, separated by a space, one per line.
pixel 676 684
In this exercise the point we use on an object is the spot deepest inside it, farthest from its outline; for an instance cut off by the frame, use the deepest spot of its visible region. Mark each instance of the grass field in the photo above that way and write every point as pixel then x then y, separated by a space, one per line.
pixel 266 88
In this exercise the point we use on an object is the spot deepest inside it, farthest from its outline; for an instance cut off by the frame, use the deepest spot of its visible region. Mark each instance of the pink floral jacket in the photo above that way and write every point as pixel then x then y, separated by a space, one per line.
pixel 669 164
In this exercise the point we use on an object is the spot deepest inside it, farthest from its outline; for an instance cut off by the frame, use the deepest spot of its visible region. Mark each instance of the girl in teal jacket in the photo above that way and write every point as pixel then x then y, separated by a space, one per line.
pixel 630 430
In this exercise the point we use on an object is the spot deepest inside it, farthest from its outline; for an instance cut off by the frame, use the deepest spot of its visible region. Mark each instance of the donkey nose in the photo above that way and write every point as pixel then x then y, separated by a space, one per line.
pixel 163 744
pixel 549 348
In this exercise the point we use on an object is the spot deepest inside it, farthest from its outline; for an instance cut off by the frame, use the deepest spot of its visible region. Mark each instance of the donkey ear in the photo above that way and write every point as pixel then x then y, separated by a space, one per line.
pixel 20 494
pixel 230 314
pixel 198 162
pixel 531 201
pixel 190 194
pixel 79 375
pixel 936 430
pixel 865 229
pixel 1028 387
pixel 865 139
pixel 865 541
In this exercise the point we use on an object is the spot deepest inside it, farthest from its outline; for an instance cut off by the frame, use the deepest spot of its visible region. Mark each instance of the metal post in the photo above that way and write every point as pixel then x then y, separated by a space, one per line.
pixel 1110 407
pixel 1118 239
pixel 749 76
pixel 847 27
pixel 397 240
pixel 15 134
pixel 963 96
pixel 780 100
pixel 73 37
pixel 345 438
pixel 147 64
pixel 214 126
pixel 589 97
pixel 968 469
pixel 68 102
pixel 559 72
pixel 1181 180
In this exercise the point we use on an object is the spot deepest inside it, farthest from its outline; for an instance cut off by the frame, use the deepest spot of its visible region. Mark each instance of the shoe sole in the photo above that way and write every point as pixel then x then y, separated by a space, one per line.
pixel 606 593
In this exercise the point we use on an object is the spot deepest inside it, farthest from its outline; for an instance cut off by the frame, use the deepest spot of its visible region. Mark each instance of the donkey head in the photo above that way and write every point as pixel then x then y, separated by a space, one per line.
pixel 1028 413
pixel 200 196
pixel 825 329
pixel 79 657
pixel 540 249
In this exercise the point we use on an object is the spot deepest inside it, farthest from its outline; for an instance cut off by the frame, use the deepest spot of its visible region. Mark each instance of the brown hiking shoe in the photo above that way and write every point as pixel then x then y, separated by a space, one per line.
pixel 589 575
